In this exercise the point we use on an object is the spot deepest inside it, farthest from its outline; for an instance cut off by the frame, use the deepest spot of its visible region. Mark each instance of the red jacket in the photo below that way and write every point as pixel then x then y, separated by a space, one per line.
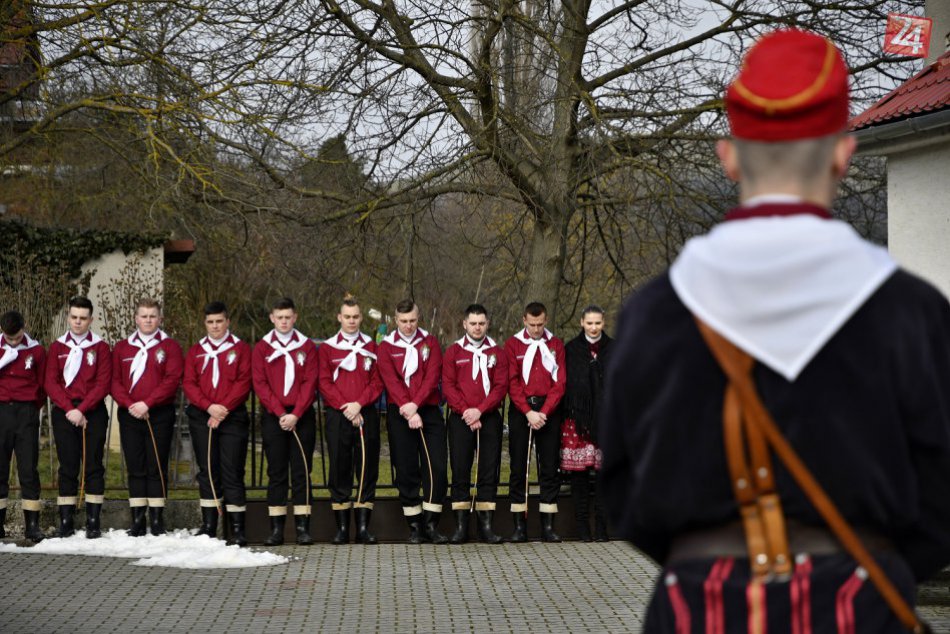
pixel 269 377
pixel 22 379
pixel 362 385
pixel 423 388
pixel 234 376
pixel 92 382
pixel 158 384
pixel 463 392
pixel 540 382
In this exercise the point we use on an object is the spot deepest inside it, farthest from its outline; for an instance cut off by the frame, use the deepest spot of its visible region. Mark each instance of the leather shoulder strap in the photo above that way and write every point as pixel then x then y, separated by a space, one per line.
pixel 732 360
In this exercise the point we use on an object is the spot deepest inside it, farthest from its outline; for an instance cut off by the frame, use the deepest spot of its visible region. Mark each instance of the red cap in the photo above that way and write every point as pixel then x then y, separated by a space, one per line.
pixel 792 85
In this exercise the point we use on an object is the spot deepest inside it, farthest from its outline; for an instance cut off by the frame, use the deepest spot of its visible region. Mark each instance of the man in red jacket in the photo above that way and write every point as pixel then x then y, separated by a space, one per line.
pixel 350 385
pixel 22 360
pixel 284 369
pixel 78 378
pixel 475 382
pixel 217 382
pixel 410 362
pixel 147 368
pixel 537 381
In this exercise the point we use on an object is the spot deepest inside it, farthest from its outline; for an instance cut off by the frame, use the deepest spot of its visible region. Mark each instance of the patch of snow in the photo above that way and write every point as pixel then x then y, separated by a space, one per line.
pixel 177 549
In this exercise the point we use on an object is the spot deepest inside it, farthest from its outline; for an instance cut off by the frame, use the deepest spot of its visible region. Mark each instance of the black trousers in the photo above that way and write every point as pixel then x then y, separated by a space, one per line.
pixel 228 456
pixel 346 458
pixel 547 441
pixel 462 445
pixel 69 451
pixel 285 462
pixel 147 483
pixel 20 435
pixel 411 459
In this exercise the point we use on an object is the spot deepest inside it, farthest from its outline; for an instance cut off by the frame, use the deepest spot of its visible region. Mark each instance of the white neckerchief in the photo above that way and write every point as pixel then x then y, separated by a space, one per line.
pixel 139 361
pixel 354 345
pixel 779 287
pixel 284 351
pixel 479 359
pixel 74 358
pixel 211 354
pixel 534 345
pixel 410 362
pixel 589 340
pixel 11 353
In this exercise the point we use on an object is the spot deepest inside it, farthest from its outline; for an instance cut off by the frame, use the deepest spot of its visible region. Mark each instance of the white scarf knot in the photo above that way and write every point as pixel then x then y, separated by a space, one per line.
pixel 410 362
pixel 354 347
pixel 534 345
pixel 74 358
pixel 211 354
pixel 140 360
pixel 297 340
pixel 479 359
pixel 10 353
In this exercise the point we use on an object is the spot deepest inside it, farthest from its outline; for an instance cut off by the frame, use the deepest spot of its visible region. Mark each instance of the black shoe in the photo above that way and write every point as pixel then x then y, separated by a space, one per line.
pixel 237 537
pixel 277 524
pixel 600 520
pixel 460 536
pixel 485 533
pixel 547 529
pixel 415 529
pixel 209 521
pixel 302 523
pixel 431 522
pixel 93 528
pixel 583 530
pixel 342 527
pixel 31 520
pixel 138 526
pixel 3 519
pixel 520 534
pixel 156 520
pixel 363 536
pixel 67 513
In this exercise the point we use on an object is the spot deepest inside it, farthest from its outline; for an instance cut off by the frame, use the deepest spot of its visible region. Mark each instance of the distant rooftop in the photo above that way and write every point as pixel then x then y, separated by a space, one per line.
pixel 926 92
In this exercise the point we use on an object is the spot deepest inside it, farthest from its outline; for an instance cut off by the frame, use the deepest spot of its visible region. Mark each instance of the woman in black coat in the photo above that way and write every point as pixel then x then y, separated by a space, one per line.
pixel 587 356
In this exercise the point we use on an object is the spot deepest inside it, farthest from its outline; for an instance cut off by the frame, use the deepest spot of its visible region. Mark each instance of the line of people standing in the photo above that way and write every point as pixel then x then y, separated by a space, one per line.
pixel 287 369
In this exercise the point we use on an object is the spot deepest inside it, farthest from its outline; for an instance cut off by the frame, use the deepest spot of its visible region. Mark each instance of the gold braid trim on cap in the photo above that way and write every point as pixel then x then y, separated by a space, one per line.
pixel 771 106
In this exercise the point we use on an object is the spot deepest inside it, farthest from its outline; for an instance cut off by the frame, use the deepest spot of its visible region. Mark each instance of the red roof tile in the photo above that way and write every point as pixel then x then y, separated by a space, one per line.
pixel 927 91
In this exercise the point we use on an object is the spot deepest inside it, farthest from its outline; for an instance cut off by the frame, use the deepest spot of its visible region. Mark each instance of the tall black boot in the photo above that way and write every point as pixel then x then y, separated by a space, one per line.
pixel 209 521
pixel 138 526
pixel 460 536
pixel 342 527
pixel 302 523
pixel 415 528
pixel 93 527
pixel 3 519
pixel 67 513
pixel 580 491
pixel 31 520
pixel 520 533
pixel 277 524
pixel 432 533
pixel 600 520
pixel 156 519
pixel 485 533
pixel 547 528
pixel 237 537
pixel 363 536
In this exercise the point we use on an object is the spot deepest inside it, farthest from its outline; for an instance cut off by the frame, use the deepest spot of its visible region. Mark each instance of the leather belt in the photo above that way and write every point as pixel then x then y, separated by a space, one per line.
pixel 536 402
pixel 729 540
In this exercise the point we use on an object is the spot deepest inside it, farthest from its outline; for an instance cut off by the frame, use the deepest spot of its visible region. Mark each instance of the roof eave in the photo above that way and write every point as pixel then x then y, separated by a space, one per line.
pixel 903 135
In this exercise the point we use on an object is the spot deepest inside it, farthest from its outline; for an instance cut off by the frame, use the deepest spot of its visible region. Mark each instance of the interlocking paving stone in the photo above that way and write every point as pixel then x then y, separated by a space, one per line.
pixel 570 587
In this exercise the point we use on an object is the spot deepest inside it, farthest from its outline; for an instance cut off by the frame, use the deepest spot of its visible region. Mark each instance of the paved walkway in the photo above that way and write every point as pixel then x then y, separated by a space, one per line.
pixel 570 587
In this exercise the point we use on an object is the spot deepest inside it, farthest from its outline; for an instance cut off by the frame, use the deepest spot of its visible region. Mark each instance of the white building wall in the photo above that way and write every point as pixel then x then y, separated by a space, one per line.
pixel 918 212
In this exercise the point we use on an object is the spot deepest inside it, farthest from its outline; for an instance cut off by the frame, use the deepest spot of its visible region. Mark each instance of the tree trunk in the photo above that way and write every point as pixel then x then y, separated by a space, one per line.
pixel 546 264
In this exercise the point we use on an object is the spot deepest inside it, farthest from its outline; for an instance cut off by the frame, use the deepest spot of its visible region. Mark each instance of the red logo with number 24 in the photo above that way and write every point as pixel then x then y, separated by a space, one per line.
pixel 907 35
